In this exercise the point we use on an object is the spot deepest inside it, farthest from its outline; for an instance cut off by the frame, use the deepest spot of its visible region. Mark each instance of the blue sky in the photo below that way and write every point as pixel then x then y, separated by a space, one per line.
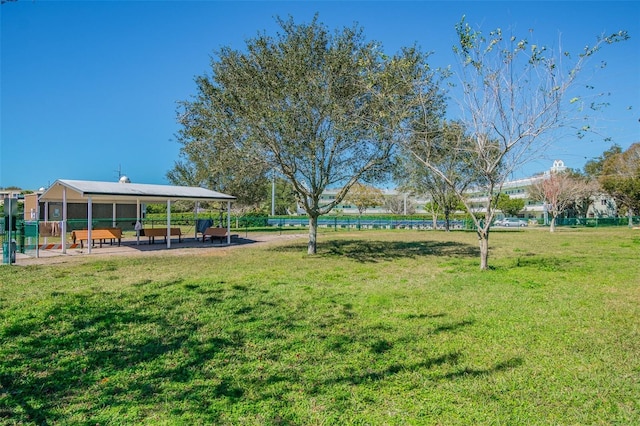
pixel 89 88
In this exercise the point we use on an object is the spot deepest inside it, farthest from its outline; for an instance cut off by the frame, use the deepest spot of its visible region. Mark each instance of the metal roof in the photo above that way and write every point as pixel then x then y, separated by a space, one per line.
pixel 79 191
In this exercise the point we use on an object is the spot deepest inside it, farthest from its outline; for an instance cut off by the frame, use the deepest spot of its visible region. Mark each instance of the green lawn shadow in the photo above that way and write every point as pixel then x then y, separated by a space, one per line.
pixel 375 250
pixel 88 353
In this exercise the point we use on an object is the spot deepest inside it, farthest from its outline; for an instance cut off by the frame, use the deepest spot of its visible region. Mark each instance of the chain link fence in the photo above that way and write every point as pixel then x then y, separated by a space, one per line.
pixel 27 237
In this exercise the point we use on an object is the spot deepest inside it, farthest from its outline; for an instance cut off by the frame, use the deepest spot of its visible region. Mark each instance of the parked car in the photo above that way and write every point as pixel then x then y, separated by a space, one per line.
pixel 510 221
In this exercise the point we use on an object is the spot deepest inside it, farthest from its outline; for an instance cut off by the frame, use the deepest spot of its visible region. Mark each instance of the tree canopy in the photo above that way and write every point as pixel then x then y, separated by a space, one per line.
pixel 508 205
pixel 593 167
pixel 364 196
pixel 620 178
pixel 211 155
pixel 321 108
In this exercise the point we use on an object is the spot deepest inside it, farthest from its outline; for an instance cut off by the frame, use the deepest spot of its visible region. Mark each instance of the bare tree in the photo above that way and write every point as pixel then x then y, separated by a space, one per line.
pixel 590 188
pixel 399 204
pixel 434 209
pixel 443 151
pixel 513 94
pixel 559 191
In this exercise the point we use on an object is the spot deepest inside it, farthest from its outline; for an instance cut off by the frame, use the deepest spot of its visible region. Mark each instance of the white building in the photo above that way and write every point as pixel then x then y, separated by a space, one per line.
pixel 601 206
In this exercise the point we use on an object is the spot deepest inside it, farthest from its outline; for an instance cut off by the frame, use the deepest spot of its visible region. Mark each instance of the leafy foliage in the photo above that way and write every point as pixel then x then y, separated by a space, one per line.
pixel 285 198
pixel 593 167
pixel 322 109
pixel 211 156
pixel 621 177
pixel 509 206
pixel 364 196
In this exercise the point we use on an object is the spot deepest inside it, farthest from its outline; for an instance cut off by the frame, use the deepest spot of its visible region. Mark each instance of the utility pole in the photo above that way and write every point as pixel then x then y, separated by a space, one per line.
pixel 273 194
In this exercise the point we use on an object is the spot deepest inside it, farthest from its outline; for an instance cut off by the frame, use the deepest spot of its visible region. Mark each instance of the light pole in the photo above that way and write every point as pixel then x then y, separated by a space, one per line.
pixel 273 194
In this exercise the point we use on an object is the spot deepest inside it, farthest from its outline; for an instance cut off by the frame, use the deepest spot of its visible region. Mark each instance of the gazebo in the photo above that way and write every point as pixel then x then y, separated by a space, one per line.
pixel 82 191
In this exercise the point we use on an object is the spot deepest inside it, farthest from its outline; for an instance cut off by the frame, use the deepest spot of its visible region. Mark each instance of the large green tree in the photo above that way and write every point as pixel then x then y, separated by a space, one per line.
pixel 509 206
pixel 621 179
pixel 593 167
pixel 364 196
pixel 211 155
pixel 322 108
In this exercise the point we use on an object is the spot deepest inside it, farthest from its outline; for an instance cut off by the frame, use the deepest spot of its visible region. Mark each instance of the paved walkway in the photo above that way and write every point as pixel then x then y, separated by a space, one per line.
pixel 130 247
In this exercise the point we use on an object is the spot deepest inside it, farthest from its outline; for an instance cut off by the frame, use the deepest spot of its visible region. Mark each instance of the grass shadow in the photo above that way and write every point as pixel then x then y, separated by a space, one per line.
pixel 375 251
pixel 82 342
pixel 473 372
pixel 446 361
pixel 146 350
pixel 358 378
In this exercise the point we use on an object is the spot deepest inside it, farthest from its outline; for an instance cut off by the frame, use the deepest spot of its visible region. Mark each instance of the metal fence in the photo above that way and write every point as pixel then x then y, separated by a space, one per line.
pixel 598 222
pixel 29 236
pixel 346 222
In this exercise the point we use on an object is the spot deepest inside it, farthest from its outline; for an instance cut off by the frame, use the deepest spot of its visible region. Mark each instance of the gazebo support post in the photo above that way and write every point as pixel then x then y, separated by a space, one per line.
pixel 138 224
pixel 195 220
pixel 63 231
pixel 89 223
pixel 229 222
pixel 168 223
pixel 46 219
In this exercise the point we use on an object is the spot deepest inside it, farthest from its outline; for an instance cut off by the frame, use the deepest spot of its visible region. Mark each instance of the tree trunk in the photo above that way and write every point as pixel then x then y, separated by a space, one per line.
pixel 630 218
pixel 447 226
pixel 313 235
pixel 552 225
pixel 483 239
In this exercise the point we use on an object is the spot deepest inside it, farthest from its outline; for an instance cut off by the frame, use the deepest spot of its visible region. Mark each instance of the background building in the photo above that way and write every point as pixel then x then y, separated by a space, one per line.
pixel 602 206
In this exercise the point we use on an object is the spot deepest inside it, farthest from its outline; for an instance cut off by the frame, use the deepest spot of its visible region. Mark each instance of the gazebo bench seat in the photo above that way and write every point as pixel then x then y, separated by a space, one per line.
pixel 152 233
pixel 216 233
pixel 98 234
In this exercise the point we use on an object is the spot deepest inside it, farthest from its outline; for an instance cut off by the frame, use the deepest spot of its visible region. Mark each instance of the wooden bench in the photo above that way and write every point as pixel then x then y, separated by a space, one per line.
pixel 152 233
pixel 216 233
pixel 99 234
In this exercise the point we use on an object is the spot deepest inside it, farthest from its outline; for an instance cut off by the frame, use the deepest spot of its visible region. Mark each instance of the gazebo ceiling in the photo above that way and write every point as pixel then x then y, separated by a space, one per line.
pixel 79 191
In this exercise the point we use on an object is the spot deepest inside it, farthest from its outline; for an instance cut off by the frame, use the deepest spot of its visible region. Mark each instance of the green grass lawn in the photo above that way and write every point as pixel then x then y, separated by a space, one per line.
pixel 393 327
